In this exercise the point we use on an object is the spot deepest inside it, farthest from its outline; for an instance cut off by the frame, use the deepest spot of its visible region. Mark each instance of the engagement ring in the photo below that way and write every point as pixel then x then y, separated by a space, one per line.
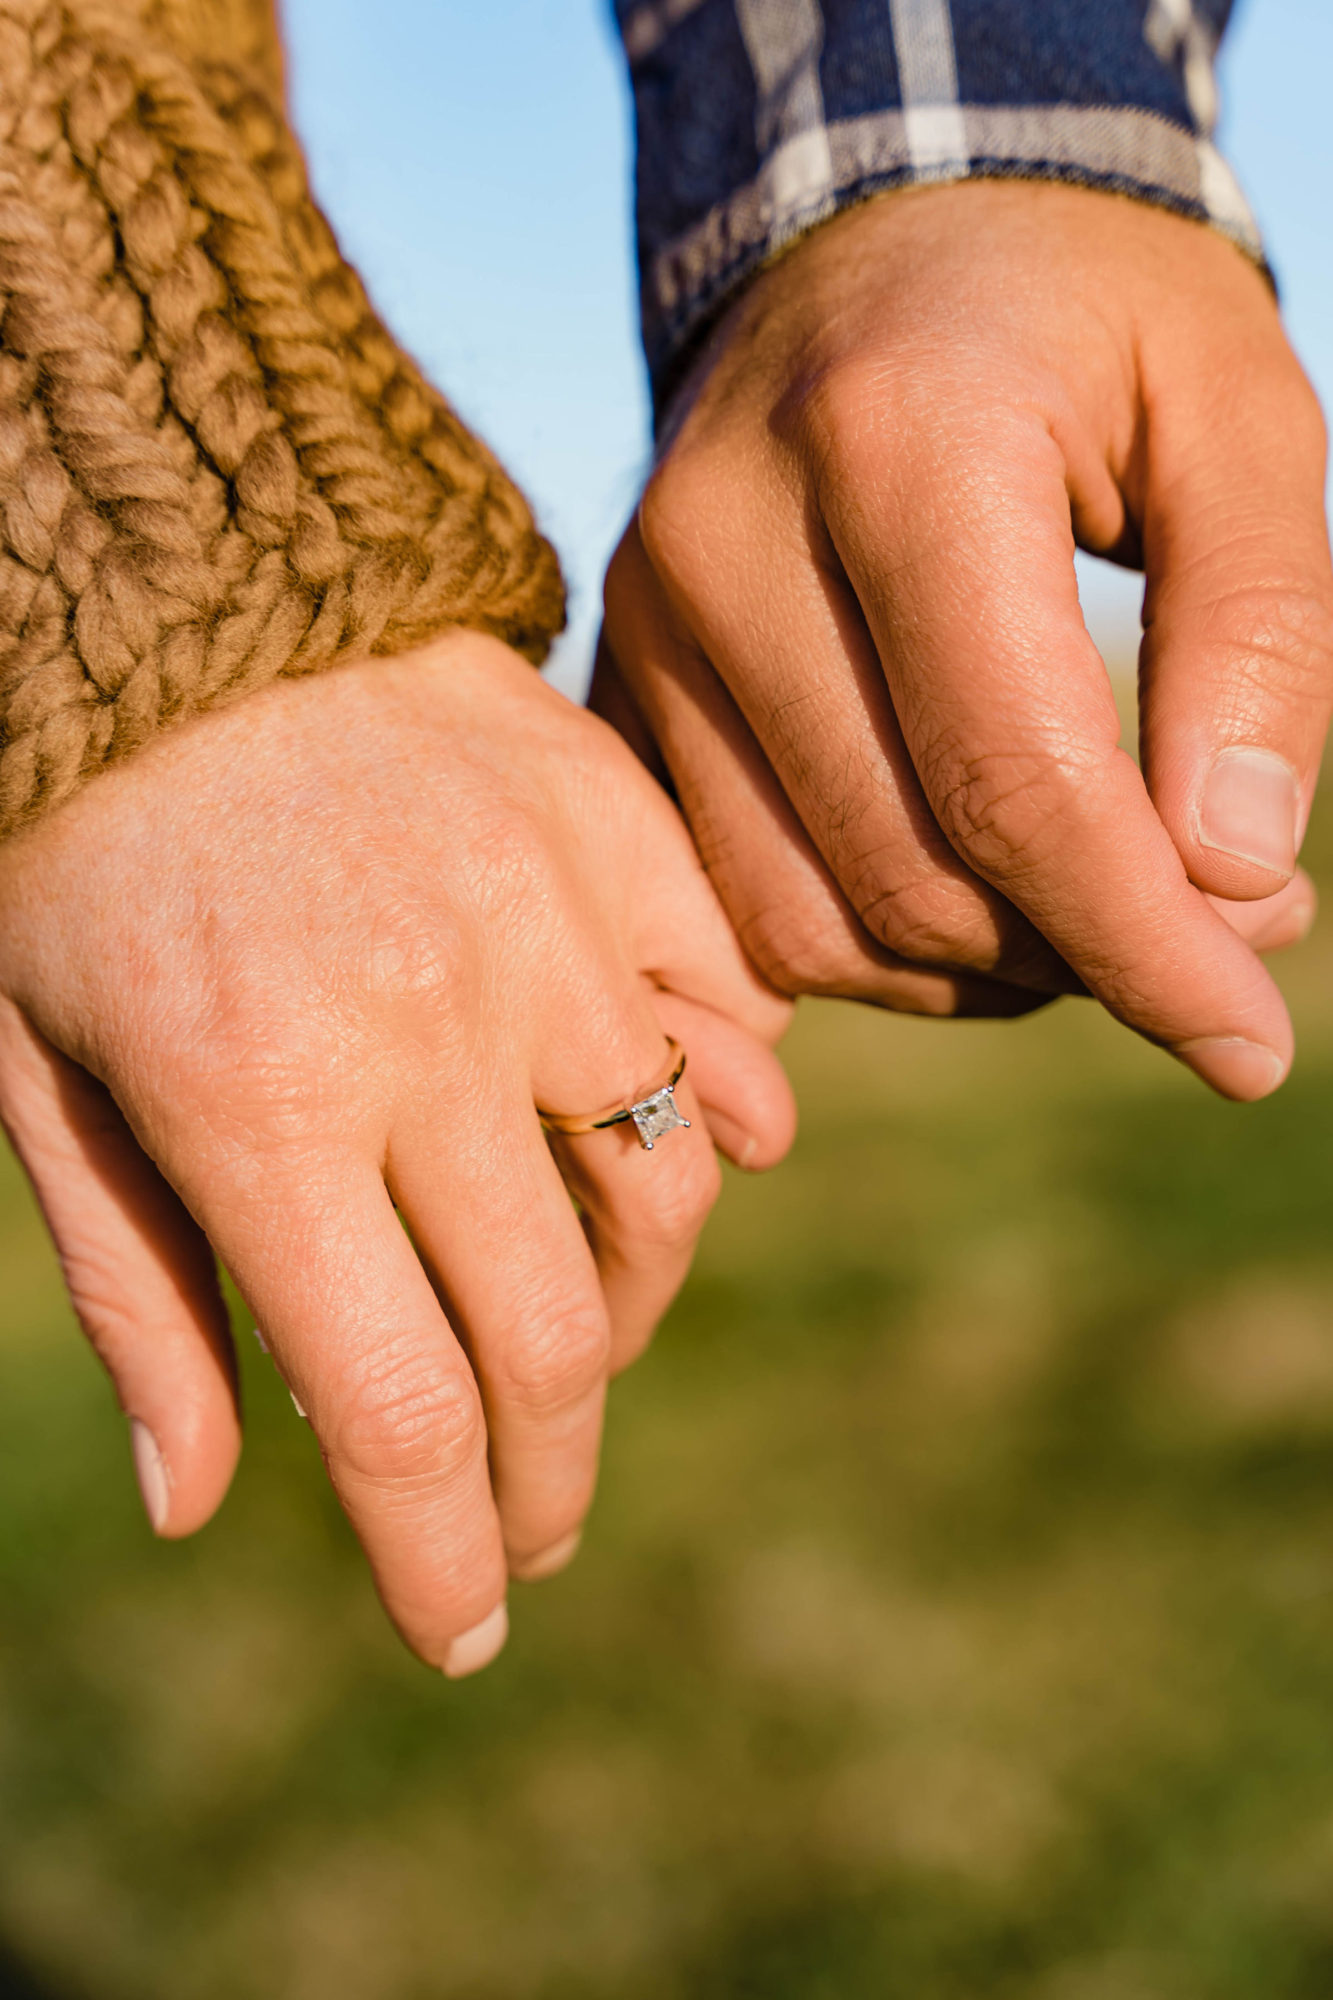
pixel 651 1115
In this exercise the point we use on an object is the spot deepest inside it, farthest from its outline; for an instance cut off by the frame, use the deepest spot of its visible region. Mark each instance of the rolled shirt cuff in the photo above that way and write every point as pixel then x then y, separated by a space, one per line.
pixel 757 121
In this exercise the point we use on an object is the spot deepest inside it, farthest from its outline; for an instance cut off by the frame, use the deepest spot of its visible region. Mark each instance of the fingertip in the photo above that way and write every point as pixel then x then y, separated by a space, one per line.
pixel 476 1648
pixel 1276 922
pixel 1289 926
pixel 183 1472
pixel 150 1469
pixel 733 1141
pixel 547 1562
pixel 754 1147
pixel 1237 1069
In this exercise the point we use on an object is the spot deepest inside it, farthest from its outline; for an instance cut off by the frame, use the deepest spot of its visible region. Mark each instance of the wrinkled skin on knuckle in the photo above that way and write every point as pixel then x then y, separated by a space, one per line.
pixel 407 1424
pixel 1004 812
pixel 247 1106
pixel 554 1362
pixel 837 423
pixel 795 950
pixel 930 921
pixel 409 959
pixel 1275 639
pixel 535 882
pixel 510 879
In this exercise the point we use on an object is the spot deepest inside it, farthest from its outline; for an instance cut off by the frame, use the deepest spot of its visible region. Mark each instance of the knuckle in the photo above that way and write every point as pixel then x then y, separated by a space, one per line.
pixel 678 501
pixel 410 958
pixel 794 953
pixel 1297 414
pixel 1002 812
pixel 673 1211
pixel 803 950
pixel 408 1423
pixel 876 414
pixel 840 422
pixel 559 1365
pixel 842 396
pixel 925 920
pixel 238 1090
pixel 1277 638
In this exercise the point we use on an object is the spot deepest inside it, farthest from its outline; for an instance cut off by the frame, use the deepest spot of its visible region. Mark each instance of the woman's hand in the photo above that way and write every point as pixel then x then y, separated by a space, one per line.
pixel 320 956
pixel 847 615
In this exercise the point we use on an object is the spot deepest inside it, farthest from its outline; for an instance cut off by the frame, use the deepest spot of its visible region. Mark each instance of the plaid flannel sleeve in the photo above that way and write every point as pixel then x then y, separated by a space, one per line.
pixel 758 118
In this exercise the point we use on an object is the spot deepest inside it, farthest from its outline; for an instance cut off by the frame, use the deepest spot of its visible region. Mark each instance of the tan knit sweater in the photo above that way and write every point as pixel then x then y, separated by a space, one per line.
pixel 216 466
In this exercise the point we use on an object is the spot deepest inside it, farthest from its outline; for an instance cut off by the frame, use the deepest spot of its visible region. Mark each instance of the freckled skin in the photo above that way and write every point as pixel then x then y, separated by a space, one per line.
pixel 321 956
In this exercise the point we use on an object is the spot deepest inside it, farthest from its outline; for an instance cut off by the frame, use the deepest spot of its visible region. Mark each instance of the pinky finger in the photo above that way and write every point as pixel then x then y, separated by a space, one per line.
pixel 140 1275
pixel 741 1086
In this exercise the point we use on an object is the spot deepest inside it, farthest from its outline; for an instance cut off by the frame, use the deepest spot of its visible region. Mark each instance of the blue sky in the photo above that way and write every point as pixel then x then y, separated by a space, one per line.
pixel 475 158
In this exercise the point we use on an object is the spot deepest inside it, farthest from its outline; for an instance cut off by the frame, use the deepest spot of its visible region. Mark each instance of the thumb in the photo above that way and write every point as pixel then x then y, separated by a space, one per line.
pixel 1238 644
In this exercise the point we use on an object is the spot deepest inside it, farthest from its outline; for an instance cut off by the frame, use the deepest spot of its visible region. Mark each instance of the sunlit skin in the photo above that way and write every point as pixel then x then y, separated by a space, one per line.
pixel 322 955
pixel 846 621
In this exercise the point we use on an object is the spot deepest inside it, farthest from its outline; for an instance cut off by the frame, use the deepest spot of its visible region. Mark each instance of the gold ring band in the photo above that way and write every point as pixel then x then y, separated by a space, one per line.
pixel 651 1115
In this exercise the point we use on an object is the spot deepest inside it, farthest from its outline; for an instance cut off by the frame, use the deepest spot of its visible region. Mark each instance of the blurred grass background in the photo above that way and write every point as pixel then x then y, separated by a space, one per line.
pixel 956 1619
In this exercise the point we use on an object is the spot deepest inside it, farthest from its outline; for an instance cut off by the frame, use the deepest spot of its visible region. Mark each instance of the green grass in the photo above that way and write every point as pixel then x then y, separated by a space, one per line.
pixel 956 1619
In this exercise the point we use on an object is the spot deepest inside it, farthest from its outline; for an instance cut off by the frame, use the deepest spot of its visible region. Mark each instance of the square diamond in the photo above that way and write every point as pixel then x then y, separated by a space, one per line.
pixel 655 1115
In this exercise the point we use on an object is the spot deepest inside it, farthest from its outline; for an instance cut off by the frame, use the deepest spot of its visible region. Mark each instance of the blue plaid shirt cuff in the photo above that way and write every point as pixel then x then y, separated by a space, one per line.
pixel 759 118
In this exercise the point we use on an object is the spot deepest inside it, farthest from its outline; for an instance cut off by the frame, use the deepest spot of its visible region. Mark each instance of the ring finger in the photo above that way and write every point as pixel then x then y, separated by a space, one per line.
pixel 643 1205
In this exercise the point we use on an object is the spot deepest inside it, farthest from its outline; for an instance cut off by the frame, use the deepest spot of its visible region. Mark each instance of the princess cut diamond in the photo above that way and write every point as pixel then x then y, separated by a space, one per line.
pixel 655 1115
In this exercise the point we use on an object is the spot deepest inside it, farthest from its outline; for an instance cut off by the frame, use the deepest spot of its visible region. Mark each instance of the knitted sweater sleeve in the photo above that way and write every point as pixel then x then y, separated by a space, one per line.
pixel 217 467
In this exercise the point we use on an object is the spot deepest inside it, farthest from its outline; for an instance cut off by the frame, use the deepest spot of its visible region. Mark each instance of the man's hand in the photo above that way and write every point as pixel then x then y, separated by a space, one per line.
pixel 318 957
pixel 846 615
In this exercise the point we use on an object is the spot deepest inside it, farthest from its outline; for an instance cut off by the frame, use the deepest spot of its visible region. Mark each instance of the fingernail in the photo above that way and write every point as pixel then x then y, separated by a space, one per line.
pixel 532 1569
pixel 1240 1069
pixel 1249 809
pixel 151 1471
pixel 471 1651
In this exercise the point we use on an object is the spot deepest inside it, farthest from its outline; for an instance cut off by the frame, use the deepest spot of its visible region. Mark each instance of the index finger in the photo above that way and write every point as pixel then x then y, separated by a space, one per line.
pixel 1005 706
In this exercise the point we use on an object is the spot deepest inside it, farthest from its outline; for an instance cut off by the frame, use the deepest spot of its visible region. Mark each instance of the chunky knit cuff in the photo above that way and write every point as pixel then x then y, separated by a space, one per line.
pixel 216 465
